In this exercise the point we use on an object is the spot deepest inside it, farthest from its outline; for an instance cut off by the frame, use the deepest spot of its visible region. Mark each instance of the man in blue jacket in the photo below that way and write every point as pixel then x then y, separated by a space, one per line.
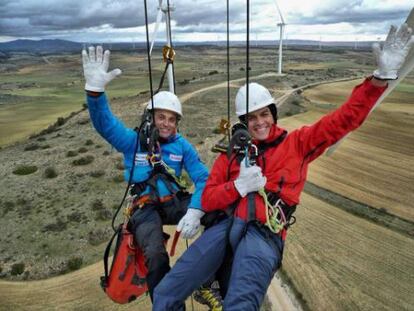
pixel 159 199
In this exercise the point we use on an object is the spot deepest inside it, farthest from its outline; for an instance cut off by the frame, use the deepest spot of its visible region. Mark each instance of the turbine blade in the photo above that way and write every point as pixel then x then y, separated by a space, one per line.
pixel 280 13
pixel 157 24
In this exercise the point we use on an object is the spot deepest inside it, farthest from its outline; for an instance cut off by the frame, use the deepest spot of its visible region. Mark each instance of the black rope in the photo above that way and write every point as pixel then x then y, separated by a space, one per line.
pixel 228 69
pixel 169 62
pixel 129 181
pixel 247 57
pixel 169 33
pixel 137 141
pixel 149 59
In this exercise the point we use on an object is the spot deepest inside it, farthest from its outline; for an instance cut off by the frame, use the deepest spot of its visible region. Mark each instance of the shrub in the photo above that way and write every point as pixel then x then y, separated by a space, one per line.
pixel 71 153
pixel 25 170
pixel 31 147
pixel 241 68
pixel 97 236
pixel 60 121
pixel 17 268
pixel 50 172
pixel 89 142
pixel 97 205
pixel 289 113
pixel 106 153
pixel 21 201
pixel 8 206
pixel 84 160
pixel 74 263
pixel 84 121
pixel 213 72
pixel 97 174
pixel 184 82
pixel 56 227
pixel 120 166
pixel 45 147
pixel 75 217
pixel 118 178
pixel 41 139
pixel 82 150
pixel 103 214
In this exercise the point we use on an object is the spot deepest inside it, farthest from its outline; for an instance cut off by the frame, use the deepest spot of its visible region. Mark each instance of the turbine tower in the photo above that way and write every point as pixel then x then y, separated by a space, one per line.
pixel 163 10
pixel 281 26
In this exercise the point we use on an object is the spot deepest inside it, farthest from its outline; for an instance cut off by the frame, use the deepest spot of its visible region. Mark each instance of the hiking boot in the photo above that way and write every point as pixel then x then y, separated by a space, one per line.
pixel 210 297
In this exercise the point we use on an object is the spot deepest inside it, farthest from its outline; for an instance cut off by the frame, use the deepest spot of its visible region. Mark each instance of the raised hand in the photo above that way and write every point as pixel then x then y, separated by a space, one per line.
pixel 95 69
pixel 391 56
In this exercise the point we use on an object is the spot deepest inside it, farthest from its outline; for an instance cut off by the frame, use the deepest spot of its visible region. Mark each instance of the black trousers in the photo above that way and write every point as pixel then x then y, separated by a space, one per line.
pixel 146 225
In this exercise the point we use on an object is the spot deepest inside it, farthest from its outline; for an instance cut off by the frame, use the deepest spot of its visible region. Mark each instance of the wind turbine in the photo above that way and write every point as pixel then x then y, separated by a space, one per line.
pixel 163 8
pixel 281 26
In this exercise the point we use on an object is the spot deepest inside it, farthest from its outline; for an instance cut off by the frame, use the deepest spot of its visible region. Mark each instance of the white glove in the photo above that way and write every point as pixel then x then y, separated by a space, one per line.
pixel 95 69
pixel 190 223
pixel 250 179
pixel 393 53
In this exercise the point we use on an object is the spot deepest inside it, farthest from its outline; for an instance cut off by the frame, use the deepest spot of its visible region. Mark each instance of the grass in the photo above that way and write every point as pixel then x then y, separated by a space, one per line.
pixel 341 262
pixel 19 121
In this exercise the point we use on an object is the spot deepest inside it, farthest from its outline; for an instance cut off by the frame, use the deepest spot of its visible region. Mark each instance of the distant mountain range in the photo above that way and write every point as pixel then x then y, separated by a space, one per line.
pixel 39 46
pixel 60 46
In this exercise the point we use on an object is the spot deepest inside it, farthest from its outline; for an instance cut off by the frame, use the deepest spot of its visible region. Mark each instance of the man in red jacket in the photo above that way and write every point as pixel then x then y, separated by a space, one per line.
pixel 261 190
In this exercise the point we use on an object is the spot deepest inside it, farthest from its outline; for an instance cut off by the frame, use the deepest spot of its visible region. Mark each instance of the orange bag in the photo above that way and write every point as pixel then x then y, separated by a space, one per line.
pixel 126 279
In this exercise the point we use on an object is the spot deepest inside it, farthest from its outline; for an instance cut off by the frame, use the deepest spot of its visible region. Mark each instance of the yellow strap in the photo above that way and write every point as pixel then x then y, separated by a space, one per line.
pixel 271 221
pixel 179 180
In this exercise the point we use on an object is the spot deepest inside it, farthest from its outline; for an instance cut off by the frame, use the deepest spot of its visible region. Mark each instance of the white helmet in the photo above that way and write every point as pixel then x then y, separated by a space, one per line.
pixel 259 97
pixel 167 101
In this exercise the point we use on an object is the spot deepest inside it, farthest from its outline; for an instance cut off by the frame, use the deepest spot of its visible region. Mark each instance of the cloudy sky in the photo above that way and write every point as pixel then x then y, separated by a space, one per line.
pixel 200 20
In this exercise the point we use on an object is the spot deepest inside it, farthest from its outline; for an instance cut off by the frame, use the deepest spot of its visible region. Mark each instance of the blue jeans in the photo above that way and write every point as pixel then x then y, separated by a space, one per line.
pixel 257 256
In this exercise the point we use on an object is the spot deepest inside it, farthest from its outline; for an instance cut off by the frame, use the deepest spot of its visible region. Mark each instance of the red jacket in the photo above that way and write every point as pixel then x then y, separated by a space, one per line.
pixel 286 165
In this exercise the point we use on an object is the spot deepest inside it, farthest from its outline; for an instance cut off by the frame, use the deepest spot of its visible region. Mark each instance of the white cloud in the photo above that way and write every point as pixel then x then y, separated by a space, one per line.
pixel 206 19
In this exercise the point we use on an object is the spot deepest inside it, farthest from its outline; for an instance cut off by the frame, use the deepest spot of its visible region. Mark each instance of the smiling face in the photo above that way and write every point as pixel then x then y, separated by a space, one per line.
pixel 166 122
pixel 260 123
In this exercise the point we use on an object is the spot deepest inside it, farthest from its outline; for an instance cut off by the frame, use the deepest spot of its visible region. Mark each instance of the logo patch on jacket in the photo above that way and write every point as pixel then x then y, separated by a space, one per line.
pixel 175 157
pixel 141 159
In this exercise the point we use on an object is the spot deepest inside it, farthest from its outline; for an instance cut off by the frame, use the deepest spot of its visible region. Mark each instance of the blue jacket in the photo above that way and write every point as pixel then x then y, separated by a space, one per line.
pixel 177 152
